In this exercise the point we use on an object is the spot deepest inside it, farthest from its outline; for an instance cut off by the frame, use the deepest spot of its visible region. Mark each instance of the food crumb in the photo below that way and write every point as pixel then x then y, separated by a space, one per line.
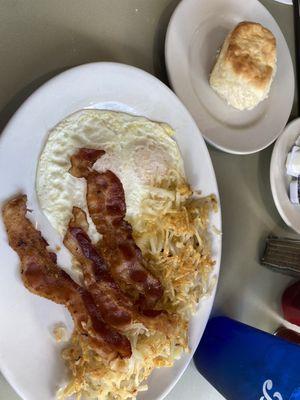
pixel 60 333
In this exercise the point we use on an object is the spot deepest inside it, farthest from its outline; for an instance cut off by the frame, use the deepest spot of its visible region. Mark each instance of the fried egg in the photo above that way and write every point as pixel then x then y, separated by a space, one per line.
pixel 139 151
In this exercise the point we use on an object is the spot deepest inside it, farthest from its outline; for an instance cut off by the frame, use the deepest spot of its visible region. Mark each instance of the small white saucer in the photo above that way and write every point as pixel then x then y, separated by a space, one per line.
pixel 280 181
pixel 196 31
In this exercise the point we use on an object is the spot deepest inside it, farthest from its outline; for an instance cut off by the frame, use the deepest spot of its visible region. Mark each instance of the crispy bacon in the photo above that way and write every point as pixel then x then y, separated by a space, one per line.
pixel 117 309
pixel 114 305
pixel 43 277
pixel 83 161
pixel 107 208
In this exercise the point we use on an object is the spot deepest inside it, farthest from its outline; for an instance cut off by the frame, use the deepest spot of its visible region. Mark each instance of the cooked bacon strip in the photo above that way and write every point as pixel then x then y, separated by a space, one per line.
pixel 117 309
pixel 82 162
pixel 114 305
pixel 43 277
pixel 107 208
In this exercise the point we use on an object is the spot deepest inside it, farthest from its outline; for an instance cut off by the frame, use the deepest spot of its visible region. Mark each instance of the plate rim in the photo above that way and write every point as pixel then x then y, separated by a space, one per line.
pixel 168 62
pixel 280 209
pixel 287 2
pixel 6 371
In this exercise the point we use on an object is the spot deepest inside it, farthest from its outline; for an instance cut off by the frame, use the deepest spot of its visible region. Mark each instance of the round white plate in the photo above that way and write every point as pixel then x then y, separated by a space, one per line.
pixel 196 31
pixel 29 357
pixel 280 181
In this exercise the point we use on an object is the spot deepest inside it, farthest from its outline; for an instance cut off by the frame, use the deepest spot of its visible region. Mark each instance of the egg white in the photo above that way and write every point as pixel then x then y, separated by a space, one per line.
pixel 138 151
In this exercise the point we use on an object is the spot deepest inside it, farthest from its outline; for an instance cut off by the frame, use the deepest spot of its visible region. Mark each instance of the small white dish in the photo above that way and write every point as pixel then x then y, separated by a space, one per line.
pixel 29 357
pixel 280 181
pixel 196 31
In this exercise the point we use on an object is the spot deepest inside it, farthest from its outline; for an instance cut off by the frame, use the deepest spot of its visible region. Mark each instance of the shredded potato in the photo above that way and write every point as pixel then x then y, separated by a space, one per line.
pixel 60 333
pixel 173 233
pixel 175 242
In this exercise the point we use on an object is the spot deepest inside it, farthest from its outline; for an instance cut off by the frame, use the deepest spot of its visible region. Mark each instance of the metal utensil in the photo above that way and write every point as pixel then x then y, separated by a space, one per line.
pixel 282 255
pixel 296 8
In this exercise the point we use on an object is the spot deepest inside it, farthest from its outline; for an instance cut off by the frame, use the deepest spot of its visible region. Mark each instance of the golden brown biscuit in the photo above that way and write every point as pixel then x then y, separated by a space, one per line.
pixel 245 66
